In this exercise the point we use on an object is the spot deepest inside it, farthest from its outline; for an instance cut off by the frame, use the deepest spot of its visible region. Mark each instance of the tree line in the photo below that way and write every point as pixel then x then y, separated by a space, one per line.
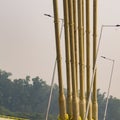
pixel 21 98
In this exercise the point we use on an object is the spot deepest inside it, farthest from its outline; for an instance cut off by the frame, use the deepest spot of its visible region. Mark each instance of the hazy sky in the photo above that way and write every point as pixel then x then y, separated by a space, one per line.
pixel 28 45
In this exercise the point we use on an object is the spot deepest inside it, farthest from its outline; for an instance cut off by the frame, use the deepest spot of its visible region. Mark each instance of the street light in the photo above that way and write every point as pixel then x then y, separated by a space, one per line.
pixel 103 26
pixel 95 64
pixel 52 82
pixel 48 15
pixel 113 62
pixel 62 25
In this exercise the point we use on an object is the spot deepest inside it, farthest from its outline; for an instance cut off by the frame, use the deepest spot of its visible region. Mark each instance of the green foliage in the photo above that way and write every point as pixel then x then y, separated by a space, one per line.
pixel 113 110
pixel 25 99
pixel 21 98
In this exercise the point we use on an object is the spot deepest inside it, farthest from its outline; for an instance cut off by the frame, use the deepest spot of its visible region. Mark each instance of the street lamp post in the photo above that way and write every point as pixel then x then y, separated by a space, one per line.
pixel 104 26
pixel 95 65
pixel 62 25
pixel 113 62
pixel 52 82
pixel 94 69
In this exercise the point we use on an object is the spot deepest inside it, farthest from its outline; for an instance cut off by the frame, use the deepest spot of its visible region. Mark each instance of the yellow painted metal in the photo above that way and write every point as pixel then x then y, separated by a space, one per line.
pixel 67 50
pixel 62 102
pixel 81 58
pixel 66 117
pixel 76 42
pixel 88 56
pixel 74 105
pixel 69 118
pixel 95 103
pixel 82 13
pixel 73 70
